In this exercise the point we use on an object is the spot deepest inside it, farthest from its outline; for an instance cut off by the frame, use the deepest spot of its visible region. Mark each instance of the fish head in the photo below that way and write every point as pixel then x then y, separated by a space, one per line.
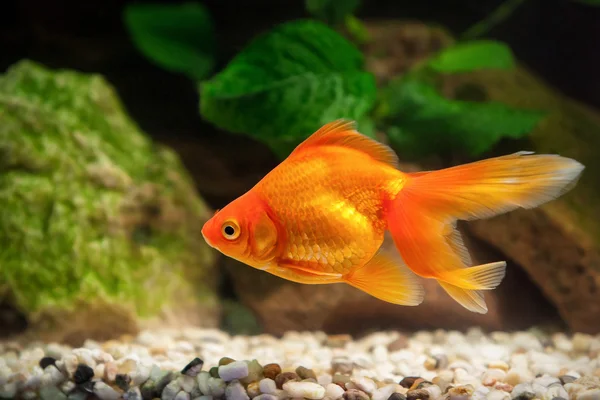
pixel 244 231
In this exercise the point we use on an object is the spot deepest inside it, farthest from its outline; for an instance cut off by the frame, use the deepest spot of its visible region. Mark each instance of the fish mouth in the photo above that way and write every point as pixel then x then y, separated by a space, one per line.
pixel 206 239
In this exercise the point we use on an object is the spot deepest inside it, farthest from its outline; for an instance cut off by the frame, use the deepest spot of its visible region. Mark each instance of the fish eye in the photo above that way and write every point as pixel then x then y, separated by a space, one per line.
pixel 230 230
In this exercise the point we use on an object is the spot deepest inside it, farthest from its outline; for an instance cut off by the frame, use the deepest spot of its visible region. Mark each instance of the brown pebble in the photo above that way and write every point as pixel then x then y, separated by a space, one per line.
pixel 285 377
pixel 409 381
pixel 225 361
pixel 355 394
pixel 398 344
pixel 305 373
pixel 397 396
pixel 271 371
pixel 417 394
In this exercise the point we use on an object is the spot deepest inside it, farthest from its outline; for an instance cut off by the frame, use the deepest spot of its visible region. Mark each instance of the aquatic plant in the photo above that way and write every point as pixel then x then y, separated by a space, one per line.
pixel 301 74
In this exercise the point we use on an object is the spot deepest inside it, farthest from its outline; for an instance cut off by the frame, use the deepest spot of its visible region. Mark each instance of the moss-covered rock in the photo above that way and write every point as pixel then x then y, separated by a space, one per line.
pixel 100 227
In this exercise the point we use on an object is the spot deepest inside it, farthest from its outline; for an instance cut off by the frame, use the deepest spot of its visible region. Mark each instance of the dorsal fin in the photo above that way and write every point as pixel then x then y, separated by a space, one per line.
pixel 343 133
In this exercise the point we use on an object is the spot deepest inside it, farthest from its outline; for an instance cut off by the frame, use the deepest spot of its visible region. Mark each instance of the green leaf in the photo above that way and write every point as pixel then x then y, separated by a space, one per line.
pixel 424 122
pixel 289 82
pixel 179 38
pixel 473 55
pixel 331 11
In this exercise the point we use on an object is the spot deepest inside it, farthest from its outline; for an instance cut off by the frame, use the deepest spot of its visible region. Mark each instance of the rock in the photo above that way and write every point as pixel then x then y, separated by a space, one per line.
pixel 83 174
pixel 271 371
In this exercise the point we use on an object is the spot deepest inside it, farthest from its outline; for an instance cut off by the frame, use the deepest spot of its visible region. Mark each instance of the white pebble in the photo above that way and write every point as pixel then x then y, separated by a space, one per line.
pixel 216 386
pixel 234 370
pixel 52 376
pixel 365 384
pixel 324 379
pixel 335 392
pixel 202 379
pixel 105 392
pixel 182 396
pixel 267 386
pixel 308 390
pixel 187 383
pixel 383 393
pixel 171 390
pixel 203 398
pixel 235 391
pixel 497 395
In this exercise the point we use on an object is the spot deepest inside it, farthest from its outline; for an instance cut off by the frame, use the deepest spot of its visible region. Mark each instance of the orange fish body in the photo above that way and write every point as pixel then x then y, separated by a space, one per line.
pixel 338 209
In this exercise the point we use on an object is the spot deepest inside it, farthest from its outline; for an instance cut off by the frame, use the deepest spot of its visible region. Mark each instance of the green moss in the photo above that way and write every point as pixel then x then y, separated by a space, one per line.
pixel 92 209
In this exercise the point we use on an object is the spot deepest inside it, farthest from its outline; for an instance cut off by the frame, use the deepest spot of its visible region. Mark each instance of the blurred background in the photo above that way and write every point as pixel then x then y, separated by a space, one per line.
pixel 129 254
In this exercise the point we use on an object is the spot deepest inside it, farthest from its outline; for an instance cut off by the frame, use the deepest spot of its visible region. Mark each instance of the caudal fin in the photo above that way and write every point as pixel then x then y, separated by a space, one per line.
pixel 423 215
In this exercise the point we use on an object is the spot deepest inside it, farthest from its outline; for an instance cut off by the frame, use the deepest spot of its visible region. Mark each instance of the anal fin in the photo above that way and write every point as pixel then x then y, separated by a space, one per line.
pixel 387 278
pixel 472 300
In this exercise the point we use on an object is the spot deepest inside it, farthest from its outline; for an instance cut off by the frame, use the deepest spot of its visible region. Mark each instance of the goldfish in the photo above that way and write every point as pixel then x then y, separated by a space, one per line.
pixel 338 209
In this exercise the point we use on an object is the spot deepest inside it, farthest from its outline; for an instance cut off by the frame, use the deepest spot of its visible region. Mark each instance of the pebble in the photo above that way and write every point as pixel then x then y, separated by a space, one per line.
pixel 189 364
pixel 105 392
pixel 233 370
pixel 365 384
pixel 271 371
pixel 355 394
pixel 235 391
pixel 307 390
pixel 384 392
pixel 193 367
pixel 285 377
pixel 83 373
pixel 333 391
pixel 268 386
pixel 495 394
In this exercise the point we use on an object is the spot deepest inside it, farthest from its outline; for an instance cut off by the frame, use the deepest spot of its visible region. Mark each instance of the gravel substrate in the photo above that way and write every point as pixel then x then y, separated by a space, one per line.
pixel 211 365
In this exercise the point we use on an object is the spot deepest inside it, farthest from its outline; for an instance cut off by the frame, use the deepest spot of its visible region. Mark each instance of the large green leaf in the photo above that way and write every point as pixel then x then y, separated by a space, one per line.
pixel 287 83
pixel 473 55
pixel 331 11
pixel 179 38
pixel 424 122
